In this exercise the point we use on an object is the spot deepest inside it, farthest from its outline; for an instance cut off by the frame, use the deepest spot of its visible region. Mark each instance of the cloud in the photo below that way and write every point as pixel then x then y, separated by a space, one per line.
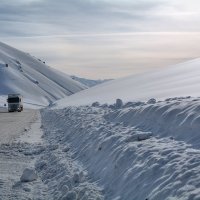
pixel 76 16
pixel 111 56
pixel 103 38
pixel 90 16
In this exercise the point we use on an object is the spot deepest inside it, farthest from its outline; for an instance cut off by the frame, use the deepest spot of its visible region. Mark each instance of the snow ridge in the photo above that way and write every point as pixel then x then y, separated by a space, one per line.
pixel 177 80
pixel 177 118
pixel 138 151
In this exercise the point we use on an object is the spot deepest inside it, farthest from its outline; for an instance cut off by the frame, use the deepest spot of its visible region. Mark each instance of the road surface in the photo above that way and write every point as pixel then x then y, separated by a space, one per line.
pixel 14 124
pixel 17 147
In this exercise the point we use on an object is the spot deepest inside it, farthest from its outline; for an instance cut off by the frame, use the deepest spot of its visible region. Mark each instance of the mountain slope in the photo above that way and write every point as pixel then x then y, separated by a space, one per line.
pixel 29 76
pixel 177 80
pixel 89 82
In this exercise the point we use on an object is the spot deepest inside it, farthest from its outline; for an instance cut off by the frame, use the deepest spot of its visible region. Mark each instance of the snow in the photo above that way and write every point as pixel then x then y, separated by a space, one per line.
pixel 28 175
pixel 37 82
pixel 13 162
pixel 15 124
pixel 24 146
pixel 33 132
pixel 131 138
pixel 139 151
pixel 89 82
pixel 18 155
pixel 177 80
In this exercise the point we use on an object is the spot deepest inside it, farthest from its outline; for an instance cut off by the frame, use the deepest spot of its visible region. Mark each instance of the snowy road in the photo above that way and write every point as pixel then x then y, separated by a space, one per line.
pixel 13 124
pixel 17 152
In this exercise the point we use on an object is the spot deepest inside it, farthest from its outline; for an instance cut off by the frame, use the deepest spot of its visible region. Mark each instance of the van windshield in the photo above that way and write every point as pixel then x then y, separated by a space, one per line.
pixel 13 100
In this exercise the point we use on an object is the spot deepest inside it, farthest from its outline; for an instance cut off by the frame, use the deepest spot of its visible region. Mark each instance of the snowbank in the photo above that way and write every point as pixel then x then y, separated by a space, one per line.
pixel 178 118
pixel 139 151
pixel 178 80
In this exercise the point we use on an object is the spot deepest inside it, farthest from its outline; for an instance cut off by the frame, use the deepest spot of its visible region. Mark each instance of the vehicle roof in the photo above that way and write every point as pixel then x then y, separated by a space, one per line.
pixel 14 95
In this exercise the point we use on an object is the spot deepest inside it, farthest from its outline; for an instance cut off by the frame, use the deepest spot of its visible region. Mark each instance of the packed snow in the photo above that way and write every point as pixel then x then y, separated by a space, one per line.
pixel 31 77
pixel 174 81
pixel 16 156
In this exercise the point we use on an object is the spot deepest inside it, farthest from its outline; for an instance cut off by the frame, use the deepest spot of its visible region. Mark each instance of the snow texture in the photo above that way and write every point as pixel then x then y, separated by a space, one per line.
pixel 13 161
pixel 28 175
pixel 143 150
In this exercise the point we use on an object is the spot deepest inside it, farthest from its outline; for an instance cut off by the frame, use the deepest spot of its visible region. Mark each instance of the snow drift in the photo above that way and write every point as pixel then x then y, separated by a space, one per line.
pixel 144 148
pixel 31 77
pixel 177 80
pixel 139 151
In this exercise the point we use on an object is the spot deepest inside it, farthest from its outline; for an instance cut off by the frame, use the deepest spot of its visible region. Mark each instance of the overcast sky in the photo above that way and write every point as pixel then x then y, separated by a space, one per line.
pixel 103 38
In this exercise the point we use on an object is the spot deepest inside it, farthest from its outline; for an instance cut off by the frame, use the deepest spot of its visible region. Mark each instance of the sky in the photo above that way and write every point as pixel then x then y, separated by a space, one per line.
pixel 103 38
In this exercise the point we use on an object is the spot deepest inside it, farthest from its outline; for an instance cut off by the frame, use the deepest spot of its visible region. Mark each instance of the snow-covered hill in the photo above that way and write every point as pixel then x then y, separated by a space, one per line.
pixel 178 80
pixel 145 150
pixel 31 77
pixel 89 82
